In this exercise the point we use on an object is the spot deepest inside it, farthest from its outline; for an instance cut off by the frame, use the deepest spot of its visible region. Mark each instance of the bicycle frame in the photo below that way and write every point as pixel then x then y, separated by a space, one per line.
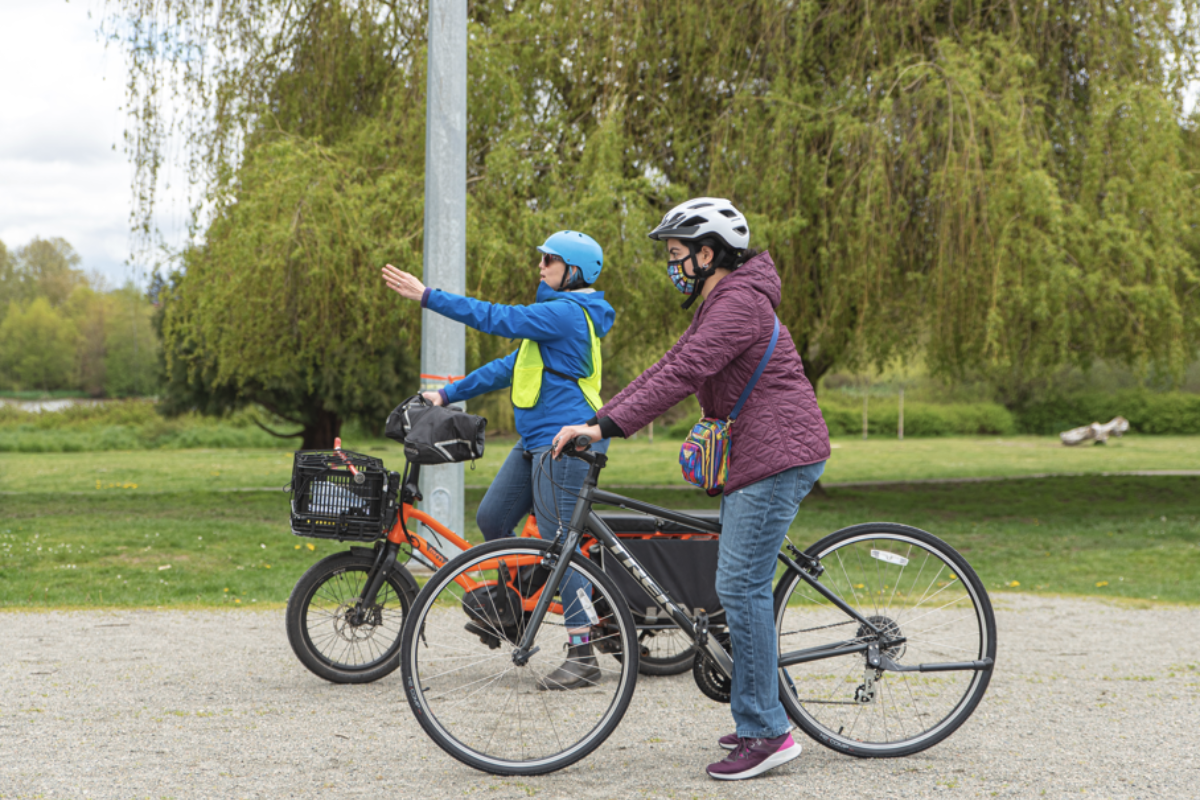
pixel 697 629
pixel 432 557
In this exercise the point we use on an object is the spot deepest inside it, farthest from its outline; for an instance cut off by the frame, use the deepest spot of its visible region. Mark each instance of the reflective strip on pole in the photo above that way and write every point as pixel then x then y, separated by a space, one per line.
pixel 443 341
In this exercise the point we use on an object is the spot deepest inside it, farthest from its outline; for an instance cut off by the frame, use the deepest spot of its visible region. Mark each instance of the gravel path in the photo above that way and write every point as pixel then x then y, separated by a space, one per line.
pixel 1090 699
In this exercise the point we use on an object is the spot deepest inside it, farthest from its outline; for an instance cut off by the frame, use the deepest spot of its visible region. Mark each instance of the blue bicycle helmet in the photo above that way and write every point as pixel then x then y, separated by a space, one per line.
pixel 577 250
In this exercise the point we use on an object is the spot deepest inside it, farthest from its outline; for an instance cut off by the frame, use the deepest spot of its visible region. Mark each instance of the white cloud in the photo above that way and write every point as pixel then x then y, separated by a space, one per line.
pixel 63 170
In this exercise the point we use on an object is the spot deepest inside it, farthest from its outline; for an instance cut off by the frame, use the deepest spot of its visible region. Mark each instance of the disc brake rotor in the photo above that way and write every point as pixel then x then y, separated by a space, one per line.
pixel 351 632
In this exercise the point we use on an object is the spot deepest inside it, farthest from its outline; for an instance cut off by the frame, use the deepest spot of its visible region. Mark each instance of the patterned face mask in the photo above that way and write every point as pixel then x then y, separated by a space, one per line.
pixel 683 283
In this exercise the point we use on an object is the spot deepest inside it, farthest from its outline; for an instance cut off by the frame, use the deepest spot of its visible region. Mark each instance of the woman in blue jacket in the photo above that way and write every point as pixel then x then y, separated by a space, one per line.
pixel 555 381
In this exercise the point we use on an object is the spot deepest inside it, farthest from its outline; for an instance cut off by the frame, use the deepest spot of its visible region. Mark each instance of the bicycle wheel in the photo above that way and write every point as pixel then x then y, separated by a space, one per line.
pixel 907 583
pixel 476 702
pixel 320 628
pixel 665 652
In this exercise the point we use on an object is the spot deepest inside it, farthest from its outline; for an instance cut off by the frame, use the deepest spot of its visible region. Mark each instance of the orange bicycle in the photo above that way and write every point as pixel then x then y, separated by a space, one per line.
pixel 346 614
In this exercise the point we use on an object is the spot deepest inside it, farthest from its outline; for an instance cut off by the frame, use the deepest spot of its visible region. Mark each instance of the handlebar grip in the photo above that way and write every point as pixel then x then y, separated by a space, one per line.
pixel 582 442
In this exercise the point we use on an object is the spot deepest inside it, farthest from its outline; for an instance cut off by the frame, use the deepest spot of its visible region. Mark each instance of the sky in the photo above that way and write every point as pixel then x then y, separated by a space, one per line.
pixel 63 169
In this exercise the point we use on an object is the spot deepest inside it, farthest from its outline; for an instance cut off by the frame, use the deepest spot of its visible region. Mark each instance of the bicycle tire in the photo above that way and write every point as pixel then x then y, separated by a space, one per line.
pixel 323 638
pixel 443 669
pixel 890 714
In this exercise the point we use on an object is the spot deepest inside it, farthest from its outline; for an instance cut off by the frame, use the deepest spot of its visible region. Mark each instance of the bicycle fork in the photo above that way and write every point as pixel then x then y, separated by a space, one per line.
pixel 385 560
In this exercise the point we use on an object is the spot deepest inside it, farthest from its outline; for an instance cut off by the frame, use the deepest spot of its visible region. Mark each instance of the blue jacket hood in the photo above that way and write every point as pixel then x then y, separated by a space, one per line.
pixel 602 313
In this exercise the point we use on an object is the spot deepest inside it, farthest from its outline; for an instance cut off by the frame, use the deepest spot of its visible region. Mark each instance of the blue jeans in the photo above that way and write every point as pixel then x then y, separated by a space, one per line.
pixel 522 486
pixel 754 522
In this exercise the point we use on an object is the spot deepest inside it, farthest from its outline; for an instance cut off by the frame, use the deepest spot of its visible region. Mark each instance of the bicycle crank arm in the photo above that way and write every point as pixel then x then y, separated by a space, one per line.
pixel 719 657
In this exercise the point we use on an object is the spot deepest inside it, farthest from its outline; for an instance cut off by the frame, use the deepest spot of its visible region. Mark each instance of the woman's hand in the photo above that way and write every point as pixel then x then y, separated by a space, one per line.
pixel 406 285
pixel 570 432
pixel 433 397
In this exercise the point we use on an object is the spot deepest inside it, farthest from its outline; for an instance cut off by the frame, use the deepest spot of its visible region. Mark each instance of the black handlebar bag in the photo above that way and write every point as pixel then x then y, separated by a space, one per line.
pixel 436 434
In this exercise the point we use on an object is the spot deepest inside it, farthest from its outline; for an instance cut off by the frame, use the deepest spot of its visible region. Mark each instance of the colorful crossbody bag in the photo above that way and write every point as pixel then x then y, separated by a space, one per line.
pixel 704 457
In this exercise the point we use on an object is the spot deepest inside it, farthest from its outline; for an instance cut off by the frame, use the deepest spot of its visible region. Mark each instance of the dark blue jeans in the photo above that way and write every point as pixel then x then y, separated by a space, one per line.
pixel 549 490
pixel 754 522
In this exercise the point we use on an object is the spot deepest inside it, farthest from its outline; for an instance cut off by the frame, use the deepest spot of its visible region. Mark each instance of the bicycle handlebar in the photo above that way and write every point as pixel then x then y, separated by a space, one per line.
pixel 579 447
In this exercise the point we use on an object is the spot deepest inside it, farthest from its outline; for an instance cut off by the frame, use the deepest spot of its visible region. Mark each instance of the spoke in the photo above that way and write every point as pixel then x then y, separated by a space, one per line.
pixel 926 645
pixel 968 620
pixel 857 717
pixel 899 578
pixel 927 596
pixel 878 579
pixel 934 610
pixel 500 717
pixel 550 717
pixel 461 700
pixel 849 583
pixel 899 721
pixel 431 678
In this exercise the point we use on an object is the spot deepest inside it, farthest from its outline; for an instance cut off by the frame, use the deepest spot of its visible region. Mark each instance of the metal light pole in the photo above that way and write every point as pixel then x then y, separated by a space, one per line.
pixel 443 342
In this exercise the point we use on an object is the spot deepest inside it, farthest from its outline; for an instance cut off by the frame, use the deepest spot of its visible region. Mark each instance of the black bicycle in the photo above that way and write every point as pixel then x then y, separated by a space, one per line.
pixel 887 641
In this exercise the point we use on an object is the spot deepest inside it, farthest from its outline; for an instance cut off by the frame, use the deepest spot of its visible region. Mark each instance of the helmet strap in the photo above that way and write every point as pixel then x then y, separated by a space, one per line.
pixel 702 274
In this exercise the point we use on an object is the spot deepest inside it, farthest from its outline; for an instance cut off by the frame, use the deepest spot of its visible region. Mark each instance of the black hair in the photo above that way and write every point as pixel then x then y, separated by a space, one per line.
pixel 724 256
pixel 573 279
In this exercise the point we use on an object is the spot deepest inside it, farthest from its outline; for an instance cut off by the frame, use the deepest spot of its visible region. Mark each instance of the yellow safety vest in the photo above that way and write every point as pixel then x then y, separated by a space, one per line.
pixel 527 372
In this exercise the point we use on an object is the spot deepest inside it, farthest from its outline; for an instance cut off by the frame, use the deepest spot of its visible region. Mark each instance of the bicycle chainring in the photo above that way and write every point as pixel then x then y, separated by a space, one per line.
pixel 712 683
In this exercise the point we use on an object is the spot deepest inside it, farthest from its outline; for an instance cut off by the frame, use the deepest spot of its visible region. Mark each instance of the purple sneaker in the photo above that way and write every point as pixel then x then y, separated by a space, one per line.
pixel 754 757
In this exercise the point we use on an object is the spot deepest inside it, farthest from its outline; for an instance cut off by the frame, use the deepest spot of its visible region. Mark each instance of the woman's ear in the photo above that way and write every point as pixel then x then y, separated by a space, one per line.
pixel 706 254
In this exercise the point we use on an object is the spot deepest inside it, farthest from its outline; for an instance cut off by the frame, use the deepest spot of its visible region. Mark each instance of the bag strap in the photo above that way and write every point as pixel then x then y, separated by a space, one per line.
pixel 757 373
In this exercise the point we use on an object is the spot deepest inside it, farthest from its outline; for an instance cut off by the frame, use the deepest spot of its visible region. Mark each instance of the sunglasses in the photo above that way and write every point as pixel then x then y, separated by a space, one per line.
pixel 548 259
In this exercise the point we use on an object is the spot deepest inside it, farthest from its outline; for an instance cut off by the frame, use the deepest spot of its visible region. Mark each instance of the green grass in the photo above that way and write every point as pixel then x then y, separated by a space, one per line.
pixel 633 463
pixel 193 527
pixel 1136 535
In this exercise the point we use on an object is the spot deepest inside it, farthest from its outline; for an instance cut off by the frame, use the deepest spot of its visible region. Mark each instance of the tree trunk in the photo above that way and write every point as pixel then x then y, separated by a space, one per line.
pixel 815 365
pixel 322 428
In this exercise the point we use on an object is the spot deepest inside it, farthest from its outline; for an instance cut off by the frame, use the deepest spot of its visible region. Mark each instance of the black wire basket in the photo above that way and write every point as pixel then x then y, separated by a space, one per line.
pixel 329 502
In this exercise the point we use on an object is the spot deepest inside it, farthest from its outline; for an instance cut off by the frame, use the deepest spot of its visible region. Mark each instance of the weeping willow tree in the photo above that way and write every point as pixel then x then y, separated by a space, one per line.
pixel 1007 186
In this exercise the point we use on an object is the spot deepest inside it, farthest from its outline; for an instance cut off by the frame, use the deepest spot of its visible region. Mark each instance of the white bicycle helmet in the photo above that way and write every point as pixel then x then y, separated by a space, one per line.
pixel 700 218
pixel 705 216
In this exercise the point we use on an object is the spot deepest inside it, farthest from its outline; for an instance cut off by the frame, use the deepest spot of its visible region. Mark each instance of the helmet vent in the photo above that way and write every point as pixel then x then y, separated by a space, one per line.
pixel 690 221
pixel 729 213
pixel 741 229
pixel 699 205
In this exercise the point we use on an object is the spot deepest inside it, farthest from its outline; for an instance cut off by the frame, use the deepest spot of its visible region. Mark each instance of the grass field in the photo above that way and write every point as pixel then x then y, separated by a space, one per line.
pixel 633 463
pixel 165 528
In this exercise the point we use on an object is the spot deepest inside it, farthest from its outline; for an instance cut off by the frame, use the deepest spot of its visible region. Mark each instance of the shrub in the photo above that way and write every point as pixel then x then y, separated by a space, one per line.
pixel 1170 413
pixel 920 419
pixel 126 425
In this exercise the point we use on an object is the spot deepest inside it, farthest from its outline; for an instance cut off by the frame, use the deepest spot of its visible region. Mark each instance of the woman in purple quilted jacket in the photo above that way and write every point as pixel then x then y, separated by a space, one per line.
pixel 779 444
